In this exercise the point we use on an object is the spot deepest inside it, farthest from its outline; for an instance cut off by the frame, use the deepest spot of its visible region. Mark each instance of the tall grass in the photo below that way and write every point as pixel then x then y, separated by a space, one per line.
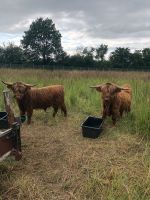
pixel 81 98
pixel 58 163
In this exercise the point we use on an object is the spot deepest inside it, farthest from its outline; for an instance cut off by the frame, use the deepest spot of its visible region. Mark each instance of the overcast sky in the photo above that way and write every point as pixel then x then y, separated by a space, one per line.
pixel 124 23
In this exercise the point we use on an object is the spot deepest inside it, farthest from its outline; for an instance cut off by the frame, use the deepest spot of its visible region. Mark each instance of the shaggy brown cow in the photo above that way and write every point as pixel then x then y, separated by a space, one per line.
pixel 116 100
pixel 29 98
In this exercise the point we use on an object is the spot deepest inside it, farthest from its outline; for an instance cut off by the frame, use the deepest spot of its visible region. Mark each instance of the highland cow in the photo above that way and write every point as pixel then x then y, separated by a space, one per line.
pixel 29 98
pixel 116 100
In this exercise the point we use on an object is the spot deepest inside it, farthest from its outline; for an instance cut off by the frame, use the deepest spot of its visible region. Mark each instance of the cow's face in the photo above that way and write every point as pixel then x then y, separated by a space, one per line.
pixel 108 90
pixel 19 89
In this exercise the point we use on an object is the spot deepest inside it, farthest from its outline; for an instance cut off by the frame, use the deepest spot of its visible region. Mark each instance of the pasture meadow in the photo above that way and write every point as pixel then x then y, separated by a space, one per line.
pixel 58 163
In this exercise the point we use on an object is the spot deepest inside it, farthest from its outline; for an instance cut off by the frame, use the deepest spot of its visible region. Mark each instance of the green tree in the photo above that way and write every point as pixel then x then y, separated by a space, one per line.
pixel 101 51
pixel 88 52
pixel 121 58
pixel 43 40
pixel 146 56
pixel 136 59
pixel 13 54
pixel 88 56
pixel 31 57
pixel 2 54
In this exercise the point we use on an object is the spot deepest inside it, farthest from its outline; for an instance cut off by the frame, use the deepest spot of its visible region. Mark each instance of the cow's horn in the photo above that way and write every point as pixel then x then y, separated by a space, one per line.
pixel 29 85
pixel 96 86
pixel 108 83
pixel 125 88
pixel 8 84
pixel 122 88
pixel 93 86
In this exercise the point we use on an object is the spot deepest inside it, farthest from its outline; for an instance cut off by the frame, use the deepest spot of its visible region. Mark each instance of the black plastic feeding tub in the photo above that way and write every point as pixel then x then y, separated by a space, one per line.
pixel 92 127
pixel 10 140
pixel 3 120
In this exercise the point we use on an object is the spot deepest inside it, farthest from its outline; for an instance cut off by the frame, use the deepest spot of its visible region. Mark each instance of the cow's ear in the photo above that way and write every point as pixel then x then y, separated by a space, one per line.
pixel 117 89
pixel 97 87
pixel 28 87
pixel 9 85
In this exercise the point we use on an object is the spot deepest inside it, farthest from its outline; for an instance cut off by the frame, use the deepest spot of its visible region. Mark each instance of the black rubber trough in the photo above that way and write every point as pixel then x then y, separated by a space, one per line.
pixel 3 120
pixel 10 140
pixel 92 127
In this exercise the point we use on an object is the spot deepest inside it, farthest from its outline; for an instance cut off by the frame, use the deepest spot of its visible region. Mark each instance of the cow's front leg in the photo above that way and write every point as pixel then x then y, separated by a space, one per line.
pixel 121 112
pixel 22 116
pixel 22 113
pixel 29 115
pixel 115 116
pixel 104 114
pixel 106 111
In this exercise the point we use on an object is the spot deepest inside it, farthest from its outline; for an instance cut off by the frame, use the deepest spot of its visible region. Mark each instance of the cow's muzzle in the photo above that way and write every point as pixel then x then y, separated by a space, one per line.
pixel 18 97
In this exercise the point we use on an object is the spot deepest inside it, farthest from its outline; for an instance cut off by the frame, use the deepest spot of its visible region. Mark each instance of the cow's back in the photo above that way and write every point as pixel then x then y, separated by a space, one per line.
pixel 126 94
pixel 47 96
pixel 125 97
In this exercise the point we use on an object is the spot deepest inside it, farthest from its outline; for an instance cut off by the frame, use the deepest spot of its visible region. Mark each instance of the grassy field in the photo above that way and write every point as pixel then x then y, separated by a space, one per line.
pixel 59 164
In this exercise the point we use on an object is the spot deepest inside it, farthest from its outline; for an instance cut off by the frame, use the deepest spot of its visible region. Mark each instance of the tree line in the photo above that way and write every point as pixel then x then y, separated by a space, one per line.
pixel 41 45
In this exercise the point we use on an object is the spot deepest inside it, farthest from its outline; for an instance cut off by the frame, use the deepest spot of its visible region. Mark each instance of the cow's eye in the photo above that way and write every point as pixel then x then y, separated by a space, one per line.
pixel 21 91
pixel 114 92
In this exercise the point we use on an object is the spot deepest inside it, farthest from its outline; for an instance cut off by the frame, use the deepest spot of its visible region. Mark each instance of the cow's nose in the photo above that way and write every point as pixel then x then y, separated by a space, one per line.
pixel 17 96
pixel 107 99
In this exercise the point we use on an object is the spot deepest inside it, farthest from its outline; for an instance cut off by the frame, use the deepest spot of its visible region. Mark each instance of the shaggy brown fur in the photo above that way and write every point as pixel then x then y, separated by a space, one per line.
pixel 116 100
pixel 38 98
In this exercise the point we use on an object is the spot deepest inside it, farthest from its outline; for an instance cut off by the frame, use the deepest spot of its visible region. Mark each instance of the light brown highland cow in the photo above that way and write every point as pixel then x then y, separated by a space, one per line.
pixel 29 98
pixel 116 99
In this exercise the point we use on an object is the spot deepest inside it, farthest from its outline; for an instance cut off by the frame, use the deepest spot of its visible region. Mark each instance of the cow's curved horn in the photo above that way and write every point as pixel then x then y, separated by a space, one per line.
pixel 117 86
pixel 29 85
pixel 122 88
pixel 108 83
pixel 7 83
pixel 125 88
pixel 96 86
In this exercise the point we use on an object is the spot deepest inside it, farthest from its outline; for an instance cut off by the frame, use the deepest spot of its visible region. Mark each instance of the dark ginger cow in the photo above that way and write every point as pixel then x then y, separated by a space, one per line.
pixel 116 100
pixel 29 98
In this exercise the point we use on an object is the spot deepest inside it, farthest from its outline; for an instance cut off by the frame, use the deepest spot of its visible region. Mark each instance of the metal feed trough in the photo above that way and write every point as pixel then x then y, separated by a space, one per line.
pixel 10 140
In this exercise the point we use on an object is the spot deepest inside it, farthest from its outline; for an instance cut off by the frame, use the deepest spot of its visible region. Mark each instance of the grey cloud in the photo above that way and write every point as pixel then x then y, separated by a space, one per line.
pixel 97 19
